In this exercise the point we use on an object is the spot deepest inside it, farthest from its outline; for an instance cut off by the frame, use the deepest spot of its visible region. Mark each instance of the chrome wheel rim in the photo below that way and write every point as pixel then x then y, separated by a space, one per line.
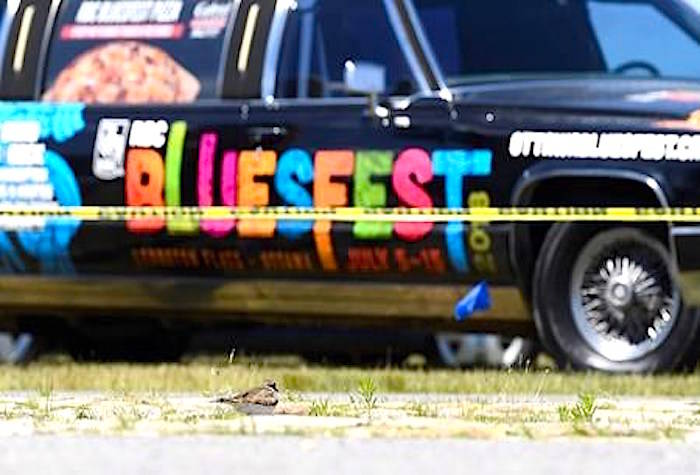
pixel 624 297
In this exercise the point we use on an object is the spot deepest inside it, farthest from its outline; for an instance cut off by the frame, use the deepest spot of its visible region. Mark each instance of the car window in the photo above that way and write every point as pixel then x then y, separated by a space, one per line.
pixel 4 28
pixel 505 36
pixel 333 48
pixel 619 28
pixel 472 38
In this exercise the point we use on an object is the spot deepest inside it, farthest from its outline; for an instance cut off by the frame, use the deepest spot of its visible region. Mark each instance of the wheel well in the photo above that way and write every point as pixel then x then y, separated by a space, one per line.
pixel 575 191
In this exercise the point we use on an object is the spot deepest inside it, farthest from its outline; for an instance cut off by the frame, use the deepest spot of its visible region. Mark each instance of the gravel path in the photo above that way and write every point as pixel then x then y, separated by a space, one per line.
pixel 76 433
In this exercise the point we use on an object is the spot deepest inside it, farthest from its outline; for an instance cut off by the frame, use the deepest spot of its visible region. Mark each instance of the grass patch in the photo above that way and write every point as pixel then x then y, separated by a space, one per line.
pixel 207 378
pixel 366 415
pixel 320 408
pixel 580 412
pixel 84 412
pixel 421 409
pixel 326 408
pixel 367 395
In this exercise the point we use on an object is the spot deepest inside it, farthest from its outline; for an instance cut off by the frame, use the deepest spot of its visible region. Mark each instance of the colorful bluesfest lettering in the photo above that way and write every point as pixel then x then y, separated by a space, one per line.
pixel 173 179
pixel 369 194
pixel 413 169
pixel 298 178
pixel 205 184
pixel 144 187
pixel 455 165
pixel 294 169
pixel 251 192
pixel 327 193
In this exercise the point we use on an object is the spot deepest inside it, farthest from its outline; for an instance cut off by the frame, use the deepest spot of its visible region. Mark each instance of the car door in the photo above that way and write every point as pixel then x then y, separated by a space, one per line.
pixel 332 134
pixel 312 109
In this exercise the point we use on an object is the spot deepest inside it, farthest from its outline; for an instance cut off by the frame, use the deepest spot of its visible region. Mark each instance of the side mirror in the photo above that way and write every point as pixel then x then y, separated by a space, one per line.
pixel 365 78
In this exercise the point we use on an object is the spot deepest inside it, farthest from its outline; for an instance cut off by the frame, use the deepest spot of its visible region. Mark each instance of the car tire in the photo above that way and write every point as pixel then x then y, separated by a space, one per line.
pixel 607 298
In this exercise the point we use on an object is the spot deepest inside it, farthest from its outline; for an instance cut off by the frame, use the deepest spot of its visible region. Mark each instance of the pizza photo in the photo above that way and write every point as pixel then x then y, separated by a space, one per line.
pixel 124 72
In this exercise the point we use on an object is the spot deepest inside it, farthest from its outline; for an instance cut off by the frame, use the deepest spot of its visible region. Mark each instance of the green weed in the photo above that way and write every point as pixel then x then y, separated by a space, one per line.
pixel 367 392
pixel 320 408
pixel 83 412
pixel 421 409
pixel 582 411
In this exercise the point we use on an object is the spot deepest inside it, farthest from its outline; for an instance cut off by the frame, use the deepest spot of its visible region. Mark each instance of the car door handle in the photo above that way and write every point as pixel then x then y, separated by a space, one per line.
pixel 267 134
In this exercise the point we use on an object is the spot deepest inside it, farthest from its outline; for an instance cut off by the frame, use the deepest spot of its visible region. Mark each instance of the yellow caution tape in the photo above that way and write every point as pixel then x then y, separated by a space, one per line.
pixel 434 215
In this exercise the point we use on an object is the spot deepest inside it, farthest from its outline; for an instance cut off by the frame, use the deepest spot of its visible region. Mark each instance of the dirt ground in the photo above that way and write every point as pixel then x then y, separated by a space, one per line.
pixel 359 414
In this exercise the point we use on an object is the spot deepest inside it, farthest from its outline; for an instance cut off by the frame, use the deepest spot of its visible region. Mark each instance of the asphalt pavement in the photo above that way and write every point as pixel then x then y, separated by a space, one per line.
pixel 293 455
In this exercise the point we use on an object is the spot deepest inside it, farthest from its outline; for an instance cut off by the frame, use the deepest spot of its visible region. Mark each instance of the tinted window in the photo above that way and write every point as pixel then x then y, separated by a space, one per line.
pixel 473 37
pixel 327 40
pixel 143 51
pixel 619 27
pixel 4 27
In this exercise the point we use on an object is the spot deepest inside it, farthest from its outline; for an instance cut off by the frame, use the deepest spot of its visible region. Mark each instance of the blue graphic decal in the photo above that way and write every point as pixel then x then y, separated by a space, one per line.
pixel 51 245
pixel 59 122
pixel 295 168
pixel 38 176
pixel 455 165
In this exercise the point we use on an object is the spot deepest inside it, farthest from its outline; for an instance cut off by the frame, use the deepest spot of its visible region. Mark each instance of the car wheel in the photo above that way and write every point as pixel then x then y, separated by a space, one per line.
pixel 458 350
pixel 608 299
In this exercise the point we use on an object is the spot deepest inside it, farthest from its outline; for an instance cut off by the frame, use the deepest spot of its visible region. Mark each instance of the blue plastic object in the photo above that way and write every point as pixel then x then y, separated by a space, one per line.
pixel 477 300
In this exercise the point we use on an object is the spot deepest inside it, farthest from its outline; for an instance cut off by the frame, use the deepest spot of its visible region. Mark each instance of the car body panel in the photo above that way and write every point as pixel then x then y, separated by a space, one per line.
pixel 456 147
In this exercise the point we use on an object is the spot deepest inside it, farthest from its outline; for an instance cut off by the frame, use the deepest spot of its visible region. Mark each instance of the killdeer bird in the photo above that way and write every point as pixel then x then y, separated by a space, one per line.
pixel 260 400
